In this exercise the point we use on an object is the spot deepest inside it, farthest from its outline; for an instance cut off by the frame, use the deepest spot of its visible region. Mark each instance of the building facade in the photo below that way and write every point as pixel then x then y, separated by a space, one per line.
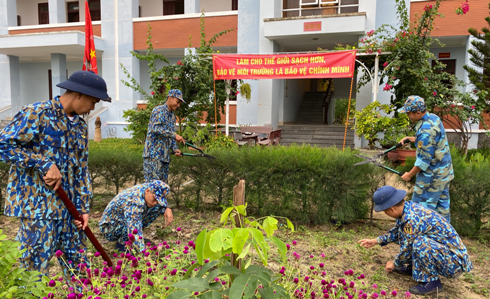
pixel 42 43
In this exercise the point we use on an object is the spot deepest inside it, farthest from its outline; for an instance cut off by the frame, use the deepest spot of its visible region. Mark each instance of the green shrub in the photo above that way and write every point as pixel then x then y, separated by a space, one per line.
pixel 17 282
pixel 299 182
pixel 341 106
pixel 469 191
pixel 117 161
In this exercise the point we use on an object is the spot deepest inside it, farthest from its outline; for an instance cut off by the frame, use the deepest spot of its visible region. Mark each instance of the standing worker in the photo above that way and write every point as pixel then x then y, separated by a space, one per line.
pixel 161 137
pixel 433 166
pixel 46 145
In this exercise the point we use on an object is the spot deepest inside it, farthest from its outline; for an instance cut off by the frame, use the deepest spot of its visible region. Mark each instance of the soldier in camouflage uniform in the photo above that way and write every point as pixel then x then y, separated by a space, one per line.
pixel 429 246
pixel 46 145
pixel 134 209
pixel 433 166
pixel 161 138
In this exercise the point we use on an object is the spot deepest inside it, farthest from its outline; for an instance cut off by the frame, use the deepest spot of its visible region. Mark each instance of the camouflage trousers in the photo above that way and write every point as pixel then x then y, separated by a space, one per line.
pixel 431 259
pixel 435 198
pixel 42 238
pixel 155 170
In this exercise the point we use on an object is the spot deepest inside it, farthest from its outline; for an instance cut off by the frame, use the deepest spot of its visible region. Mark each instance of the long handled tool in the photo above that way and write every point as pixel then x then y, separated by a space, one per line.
pixel 375 159
pixel 201 153
pixel 74 212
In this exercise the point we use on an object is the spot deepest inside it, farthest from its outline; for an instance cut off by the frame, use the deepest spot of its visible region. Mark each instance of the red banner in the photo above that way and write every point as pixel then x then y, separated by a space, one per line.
pixel 286 66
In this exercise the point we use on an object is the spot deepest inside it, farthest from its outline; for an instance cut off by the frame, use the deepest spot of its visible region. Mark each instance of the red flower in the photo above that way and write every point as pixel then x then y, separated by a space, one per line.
pixel 180 62
pixel 152 93
pixel 428 7
pixel 385 64
pixel 472 107
pixel 434 93
pixel 237 92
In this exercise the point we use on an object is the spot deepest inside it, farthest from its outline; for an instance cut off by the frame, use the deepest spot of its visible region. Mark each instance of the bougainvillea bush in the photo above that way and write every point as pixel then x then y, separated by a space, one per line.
pixel 205 269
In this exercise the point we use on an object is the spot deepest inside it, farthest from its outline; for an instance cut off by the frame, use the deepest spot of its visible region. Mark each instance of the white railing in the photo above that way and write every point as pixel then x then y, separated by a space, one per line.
pixel 296 8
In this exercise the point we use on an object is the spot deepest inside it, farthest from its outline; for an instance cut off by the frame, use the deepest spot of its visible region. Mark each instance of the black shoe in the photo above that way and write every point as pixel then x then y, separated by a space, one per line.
pixel 120 247
pixel 426 288
pixel 403 270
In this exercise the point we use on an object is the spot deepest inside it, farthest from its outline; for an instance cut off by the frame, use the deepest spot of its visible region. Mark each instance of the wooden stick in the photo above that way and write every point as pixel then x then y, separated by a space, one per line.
pixel 74 212
pixel 238 200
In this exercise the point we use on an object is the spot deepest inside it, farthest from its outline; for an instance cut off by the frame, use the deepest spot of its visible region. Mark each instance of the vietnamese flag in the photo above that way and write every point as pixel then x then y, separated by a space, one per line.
pixel 89 57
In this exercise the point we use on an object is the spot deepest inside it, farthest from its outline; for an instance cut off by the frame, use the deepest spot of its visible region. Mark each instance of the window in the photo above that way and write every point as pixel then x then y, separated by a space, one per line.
pixel 43 13
pixel 73 10
pixel 94 6
pixel 234 4
pixel 173 7
pixel 294 8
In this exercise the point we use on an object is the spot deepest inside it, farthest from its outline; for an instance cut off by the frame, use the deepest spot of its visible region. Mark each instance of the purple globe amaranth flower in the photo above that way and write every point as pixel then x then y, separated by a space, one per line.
pixel 135 231
pixel 52 283
pixel 326 295
pixel 296 280
pixel 307 278
pixel 394 293
pixel 178 229
pixel 206 261
pixel 312 268
pixel 59 253
pixel 294 242
pixel 374 295
pixel 312 256
pixel 408 295
pixel 173 272
pixel 383 293
pixel 186 252
pixel 149 282
pixel 81 251
pixel 352 284
pixel 288 246
pixel 144 296
pixel 97 254
pixel 71 296
pixel 375 286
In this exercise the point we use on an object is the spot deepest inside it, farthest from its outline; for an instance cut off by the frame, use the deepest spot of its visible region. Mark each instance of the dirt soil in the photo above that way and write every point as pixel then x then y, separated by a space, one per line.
pixel 338 243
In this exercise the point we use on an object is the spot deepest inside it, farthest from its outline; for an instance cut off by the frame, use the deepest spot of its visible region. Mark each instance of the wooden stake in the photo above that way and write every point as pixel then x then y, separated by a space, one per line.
pixel 238 200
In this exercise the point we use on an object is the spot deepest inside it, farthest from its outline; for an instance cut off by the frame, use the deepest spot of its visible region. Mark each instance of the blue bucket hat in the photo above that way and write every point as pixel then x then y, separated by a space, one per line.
pixel 386 197
pixel 88 83
pixel 160 189
pixel 413 104
pixel 176 94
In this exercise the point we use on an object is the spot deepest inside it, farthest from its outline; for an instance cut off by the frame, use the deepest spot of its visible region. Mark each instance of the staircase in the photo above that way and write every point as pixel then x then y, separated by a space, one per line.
pixel 311 108
pixel 319 135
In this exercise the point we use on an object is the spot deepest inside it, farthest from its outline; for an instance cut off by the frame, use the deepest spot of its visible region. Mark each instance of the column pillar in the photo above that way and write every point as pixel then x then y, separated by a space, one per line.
pixel 58 72
pixel 57 11
pixel 117 30
pixel 191 6
pixel 9 65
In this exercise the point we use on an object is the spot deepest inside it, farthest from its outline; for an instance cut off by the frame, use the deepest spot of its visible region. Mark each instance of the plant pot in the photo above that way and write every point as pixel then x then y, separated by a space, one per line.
pixel 393 156
pixel 404 153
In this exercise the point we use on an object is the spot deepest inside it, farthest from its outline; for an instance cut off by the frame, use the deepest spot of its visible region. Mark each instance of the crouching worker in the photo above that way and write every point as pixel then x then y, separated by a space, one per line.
pixel 132 210
pixel 429 246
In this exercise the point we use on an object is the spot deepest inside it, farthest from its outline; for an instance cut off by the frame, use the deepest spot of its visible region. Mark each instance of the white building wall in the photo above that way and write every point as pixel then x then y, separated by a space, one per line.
pixel 294 91
pixel 28 11
pixel 151 8
pixel 215 5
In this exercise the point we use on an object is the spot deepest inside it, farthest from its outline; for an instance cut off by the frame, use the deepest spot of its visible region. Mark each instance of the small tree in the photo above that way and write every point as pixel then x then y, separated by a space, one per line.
pixel 408 71
pixel 193 75
pixel 480 57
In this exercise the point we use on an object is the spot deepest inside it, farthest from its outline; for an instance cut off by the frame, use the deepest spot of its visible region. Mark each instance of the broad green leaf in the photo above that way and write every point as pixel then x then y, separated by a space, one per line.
pixel 180 295
pixel 281 247
pixel 241 237
pixel 205 268
pixel 256 234
pixel 242 210
pixel 222 238
pixel 208 253
pixel 192 284
pixel 217 286
pixel 244 252
pixel 213 274
pixel 254 269
pixel 212 295
pixel 230 270
pixel 248 263
pixel 200 244
pixel 224 216
pixel 243 284
pixel 270 225
pixel 290 225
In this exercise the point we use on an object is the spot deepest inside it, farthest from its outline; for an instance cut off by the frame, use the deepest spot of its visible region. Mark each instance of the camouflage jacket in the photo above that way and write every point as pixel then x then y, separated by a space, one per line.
pixel 433 155
pixel 160 140
pixel 420 221
pixel 39 136
pixel 128 211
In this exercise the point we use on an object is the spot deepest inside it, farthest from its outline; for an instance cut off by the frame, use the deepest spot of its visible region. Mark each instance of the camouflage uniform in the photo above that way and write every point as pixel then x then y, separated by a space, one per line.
pixel 429 243
pixel 433 157
pixel 160 141
pixel 41 135
pixel 128 211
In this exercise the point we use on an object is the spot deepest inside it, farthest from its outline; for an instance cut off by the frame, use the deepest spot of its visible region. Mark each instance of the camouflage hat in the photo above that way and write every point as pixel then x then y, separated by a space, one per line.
pixel 413 104
pixel 160 189
pixel 176 94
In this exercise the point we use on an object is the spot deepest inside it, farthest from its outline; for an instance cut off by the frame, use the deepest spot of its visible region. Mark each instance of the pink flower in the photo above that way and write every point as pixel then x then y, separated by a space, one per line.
pixel 428 7
pixel 408 295
pixel 237 92
pixel 370 33
pixel 452 106
pixel 180 62
pixel 379 51
pixel 152 93
pixel 178 229
pixel 59 253
pixel 465 7
pixel 434 93
pixel 294 242
pixel 394 293
pixel 472 107
pixel 387 87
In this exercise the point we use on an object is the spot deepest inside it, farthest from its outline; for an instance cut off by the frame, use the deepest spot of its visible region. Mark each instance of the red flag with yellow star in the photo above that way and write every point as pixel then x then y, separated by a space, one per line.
pixel 89 57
